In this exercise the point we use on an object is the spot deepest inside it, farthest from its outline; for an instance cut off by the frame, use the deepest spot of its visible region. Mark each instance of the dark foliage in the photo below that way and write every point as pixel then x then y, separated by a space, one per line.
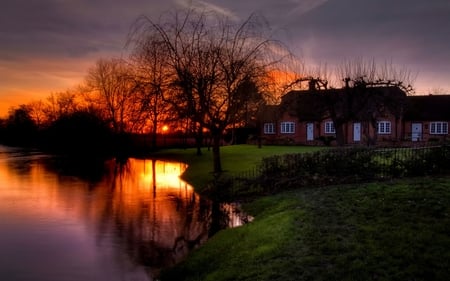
pixel 81 132
pixel 19 128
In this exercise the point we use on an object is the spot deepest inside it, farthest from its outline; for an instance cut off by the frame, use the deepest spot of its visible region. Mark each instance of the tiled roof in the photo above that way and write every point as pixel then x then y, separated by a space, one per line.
pixel 311 105
pixel 269 113
pixel 428 108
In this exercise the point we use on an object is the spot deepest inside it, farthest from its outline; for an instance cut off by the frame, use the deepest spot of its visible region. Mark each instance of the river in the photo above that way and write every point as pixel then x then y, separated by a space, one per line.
pixel 65 219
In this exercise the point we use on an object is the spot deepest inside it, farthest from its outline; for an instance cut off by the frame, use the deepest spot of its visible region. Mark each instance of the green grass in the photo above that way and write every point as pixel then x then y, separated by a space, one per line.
pixel 235 158
pixel 396 230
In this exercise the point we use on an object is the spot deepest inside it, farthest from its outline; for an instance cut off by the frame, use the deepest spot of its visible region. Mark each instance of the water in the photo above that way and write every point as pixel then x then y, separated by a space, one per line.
pixel 64 220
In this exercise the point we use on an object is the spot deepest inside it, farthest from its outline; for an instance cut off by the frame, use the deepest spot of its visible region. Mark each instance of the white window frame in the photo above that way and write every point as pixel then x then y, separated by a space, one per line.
pixel 269 128
pixel 329 127
pixel 384 127
pixel 287 127
pixel 438 128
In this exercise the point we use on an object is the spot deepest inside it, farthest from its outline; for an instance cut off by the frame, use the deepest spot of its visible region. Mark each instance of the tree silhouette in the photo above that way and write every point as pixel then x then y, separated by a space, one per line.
pixel 209 59
pixel 368 91
pixel 79 133
pixel 113 87
pixel 151 80
pixel 19 127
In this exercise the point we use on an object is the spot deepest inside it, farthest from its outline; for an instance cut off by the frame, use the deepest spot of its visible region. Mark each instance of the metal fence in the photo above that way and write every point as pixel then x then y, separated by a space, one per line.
pixel 335 166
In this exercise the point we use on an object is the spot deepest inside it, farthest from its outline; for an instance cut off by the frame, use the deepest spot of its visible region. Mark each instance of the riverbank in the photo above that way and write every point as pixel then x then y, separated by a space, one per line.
pixel 235 158
pixel 394 230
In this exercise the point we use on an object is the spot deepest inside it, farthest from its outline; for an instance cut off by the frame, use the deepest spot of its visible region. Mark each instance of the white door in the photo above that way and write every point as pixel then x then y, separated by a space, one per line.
pixel 416 131
pixel 310 131
pixel 356 131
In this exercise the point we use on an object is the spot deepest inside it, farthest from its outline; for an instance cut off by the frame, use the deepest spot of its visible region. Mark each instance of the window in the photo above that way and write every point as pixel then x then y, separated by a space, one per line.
pixel 287 127
pixel 269 128
pixel 329 128
pixel 384 127
pixel 438 128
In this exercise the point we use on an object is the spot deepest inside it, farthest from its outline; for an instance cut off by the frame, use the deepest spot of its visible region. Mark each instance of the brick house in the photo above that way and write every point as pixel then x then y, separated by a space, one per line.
pixel 427 118
pixel 370 115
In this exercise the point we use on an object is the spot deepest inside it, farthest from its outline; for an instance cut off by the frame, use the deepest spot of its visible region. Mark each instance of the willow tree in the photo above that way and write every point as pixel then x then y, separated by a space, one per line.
pixel 209 58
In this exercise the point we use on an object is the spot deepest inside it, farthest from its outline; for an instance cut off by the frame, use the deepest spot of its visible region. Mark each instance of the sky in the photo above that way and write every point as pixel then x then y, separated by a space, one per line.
pixel 47 46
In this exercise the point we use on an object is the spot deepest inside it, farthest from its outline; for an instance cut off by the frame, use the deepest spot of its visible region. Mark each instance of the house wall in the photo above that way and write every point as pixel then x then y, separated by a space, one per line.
pixel 400 131
pixel 289 137
pixel 349 132
pixel 396 132
pixel 300 133
pixel 425 135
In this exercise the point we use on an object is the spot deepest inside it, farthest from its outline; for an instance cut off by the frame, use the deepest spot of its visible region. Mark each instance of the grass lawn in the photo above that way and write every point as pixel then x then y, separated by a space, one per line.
pixel 397 230
pixel 235 158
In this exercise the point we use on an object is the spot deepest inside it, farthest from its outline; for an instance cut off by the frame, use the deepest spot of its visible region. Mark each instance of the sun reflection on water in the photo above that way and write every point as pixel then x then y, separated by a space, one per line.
pixel 137 213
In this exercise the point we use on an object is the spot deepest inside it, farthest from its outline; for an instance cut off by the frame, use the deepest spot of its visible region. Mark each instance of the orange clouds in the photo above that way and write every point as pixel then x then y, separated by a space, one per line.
pixel 34 79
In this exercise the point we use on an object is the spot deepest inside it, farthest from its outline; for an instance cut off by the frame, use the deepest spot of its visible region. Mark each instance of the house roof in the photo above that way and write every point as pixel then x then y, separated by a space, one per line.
pixel 306 105
pixel 269 113
pixel 428 108
pixel 312 104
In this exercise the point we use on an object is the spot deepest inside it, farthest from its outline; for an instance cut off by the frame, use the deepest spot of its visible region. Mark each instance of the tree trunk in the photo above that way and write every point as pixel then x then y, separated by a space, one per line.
pixel 154 134
pixel 216 154
pixel 340 135
pixel 199 140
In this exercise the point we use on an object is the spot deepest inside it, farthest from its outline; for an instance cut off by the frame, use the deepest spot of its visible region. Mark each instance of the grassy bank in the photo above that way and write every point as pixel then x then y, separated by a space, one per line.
pixel 380 231
pixel 235 158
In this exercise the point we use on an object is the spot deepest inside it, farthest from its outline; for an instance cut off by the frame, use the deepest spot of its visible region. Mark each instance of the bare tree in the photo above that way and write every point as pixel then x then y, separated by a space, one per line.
pixel 113 87
pixel 368 91
pixel 209 58
pixel 151 80
pixel 369 73
pixel 438 91
pixel 60 104
pixel 37 112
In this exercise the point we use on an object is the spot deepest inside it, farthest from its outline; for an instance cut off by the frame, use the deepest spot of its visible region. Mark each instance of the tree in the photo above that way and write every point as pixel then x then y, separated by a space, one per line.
pixel 368 91
pixel 371 90
pixel 37 112
pixel 151 78
pixel 82 132
pixel 60 104
pixel 209 58
pixel 20 128
pixel 114 87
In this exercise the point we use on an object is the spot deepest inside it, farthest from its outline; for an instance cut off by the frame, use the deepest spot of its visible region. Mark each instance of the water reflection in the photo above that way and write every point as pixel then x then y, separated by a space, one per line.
pixel 62 220
pixel 156 217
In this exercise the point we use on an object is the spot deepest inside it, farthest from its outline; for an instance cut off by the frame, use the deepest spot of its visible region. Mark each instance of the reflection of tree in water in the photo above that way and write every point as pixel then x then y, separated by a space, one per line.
pixel 143 216
pixel 155 223
pixel 91 170
pixel 145 210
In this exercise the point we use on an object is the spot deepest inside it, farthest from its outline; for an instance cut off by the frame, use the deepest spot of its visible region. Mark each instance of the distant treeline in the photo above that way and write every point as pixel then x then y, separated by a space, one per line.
pixel 84 131
pixel 79 132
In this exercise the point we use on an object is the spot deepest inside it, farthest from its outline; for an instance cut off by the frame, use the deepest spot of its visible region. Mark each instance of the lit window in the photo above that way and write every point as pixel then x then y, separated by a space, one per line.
pixel 269 128
pixel 384 127
pixel 287 127
pixel 438 128
pixel 329 128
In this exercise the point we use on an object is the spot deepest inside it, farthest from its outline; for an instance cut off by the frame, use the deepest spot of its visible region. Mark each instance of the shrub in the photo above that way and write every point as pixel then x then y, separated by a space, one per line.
pixel 348 165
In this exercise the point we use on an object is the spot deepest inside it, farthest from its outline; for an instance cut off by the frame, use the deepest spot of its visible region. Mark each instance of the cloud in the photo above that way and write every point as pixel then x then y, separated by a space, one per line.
pixel 304 6
pixel 70 33
pixel 203 5
pixel 69 27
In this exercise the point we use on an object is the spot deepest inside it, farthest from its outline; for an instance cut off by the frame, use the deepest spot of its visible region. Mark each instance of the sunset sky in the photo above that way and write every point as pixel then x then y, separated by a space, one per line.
pixel 48 45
